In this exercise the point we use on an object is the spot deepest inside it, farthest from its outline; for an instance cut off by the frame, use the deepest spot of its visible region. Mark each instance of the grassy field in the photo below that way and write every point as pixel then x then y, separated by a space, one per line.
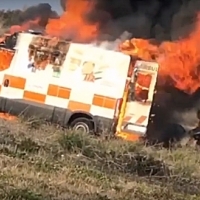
pixel 41 162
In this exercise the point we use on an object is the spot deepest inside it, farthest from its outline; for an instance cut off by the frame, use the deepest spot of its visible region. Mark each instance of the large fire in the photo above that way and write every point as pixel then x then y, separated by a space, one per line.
pixel 25 26
pixel 178 60
pixel 72 22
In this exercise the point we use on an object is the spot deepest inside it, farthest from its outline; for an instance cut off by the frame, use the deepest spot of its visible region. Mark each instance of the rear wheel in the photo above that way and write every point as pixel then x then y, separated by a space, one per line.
pixel 82 124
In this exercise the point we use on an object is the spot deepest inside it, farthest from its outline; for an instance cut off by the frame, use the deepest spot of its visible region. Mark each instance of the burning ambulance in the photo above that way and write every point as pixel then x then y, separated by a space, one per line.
pixel 77 85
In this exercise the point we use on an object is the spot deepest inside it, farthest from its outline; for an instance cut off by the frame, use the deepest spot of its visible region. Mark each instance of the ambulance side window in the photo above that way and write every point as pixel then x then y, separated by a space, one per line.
pixel 53 57
pixel 142 86
pixel 41 57
pixel 7 56
pixel 58 53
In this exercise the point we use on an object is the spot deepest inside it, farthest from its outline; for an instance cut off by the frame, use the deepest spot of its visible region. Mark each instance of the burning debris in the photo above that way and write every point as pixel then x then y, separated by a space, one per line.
pixel 5 59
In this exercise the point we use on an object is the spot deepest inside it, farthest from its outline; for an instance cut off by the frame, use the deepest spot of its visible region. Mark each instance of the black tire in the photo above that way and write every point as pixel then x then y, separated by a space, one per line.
pixel 84 124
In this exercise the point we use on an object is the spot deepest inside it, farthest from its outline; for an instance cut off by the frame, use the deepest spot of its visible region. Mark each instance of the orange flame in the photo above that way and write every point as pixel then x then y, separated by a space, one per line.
pixel 179 60
pixel 2 39
pixel 25 26
pixel 5 59
pixel 72 23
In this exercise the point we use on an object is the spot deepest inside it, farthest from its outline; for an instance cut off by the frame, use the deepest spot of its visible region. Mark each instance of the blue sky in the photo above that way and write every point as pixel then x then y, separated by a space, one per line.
pixel 19 4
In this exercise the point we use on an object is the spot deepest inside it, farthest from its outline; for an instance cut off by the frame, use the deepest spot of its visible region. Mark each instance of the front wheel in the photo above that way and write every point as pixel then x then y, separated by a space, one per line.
pixel 82 124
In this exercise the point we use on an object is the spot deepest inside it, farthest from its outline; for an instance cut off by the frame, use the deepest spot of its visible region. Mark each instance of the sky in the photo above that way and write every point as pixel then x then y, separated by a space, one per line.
pixel 19 4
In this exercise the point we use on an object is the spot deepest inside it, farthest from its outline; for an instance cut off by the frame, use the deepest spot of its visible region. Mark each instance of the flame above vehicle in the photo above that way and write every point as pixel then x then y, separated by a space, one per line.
pixel 179 60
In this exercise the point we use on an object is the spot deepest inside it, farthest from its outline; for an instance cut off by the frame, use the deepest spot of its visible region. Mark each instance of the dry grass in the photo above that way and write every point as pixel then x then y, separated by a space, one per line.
pixel 40 162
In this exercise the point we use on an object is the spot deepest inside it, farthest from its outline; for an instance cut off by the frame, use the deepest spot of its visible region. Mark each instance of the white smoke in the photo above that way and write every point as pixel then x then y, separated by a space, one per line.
pixel 112 45
pixel 188 118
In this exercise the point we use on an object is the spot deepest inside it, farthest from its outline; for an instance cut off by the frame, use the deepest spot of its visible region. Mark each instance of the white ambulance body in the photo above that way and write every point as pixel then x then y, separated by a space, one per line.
pixel 77 99
pixel 75 85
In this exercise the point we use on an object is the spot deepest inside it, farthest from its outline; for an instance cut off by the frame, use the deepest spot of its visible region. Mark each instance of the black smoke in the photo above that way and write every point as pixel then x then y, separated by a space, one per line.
pixel 159 19
pixel 42 11
pixel 63 4
pixel 162 20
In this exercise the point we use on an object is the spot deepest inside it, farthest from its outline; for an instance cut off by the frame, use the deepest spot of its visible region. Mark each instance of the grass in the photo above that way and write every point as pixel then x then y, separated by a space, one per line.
pixel 46 163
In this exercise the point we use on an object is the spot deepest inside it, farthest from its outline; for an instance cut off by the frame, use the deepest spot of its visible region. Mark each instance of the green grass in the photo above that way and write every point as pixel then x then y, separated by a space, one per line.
pixel 46 163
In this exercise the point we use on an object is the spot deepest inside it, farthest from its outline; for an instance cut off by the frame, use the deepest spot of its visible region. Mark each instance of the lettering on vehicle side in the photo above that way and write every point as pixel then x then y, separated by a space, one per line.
pixel 148 67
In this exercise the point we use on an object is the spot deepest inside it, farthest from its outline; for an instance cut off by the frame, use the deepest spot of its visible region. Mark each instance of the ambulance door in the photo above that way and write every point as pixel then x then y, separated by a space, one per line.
pixel 140 98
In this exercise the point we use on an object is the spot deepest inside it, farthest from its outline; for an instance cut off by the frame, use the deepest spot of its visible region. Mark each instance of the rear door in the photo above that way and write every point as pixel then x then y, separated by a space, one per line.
pixel 140 98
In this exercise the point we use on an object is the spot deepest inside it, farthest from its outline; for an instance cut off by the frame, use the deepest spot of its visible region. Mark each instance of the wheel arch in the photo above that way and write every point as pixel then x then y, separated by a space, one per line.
pixel 82 114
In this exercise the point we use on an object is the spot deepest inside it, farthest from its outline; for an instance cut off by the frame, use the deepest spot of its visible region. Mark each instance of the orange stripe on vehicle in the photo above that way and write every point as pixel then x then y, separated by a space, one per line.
pixel 110 103
pixel 141 119
pixel 64 92
pixel 98 100
pixel 33 96
pixel 57 91
pixel 52 90
pixel 104 101
pixel 15 82
pixel 77 106
pixel 127 118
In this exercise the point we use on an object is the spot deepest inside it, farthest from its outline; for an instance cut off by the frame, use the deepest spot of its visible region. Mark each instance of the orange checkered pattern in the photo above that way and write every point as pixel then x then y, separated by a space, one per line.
pixel 59 96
